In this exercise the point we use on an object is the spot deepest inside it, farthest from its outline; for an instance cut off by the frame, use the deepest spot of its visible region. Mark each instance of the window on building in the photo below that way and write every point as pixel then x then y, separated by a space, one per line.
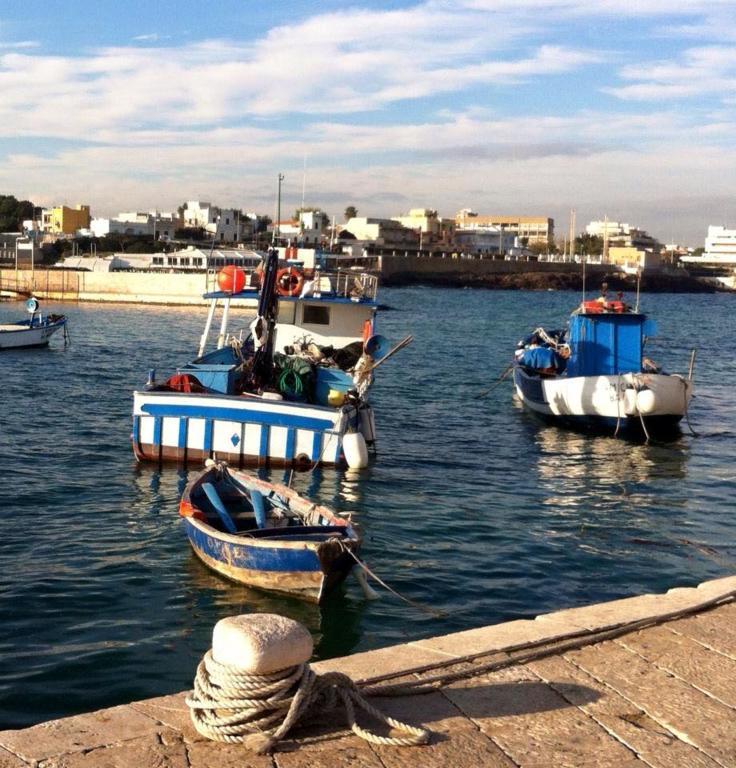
pixel 313 314
pixel 171 261
pixel 158 261
pixel 197 261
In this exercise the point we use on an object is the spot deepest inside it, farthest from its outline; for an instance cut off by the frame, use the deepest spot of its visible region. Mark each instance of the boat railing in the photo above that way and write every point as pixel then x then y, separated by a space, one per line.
pixel 341 283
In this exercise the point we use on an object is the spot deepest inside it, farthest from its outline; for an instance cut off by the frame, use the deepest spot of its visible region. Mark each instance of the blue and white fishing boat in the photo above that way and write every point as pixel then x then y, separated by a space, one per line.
pixel 293 392
pixel 33 332
pixel 594 375
pixel 266 535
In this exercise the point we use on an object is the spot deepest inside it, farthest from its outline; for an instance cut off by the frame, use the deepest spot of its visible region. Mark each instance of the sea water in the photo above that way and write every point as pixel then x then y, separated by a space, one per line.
pixel 472 508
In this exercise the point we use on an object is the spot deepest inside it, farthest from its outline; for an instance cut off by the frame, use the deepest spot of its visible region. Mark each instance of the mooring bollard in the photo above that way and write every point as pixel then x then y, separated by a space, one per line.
pixel 255 684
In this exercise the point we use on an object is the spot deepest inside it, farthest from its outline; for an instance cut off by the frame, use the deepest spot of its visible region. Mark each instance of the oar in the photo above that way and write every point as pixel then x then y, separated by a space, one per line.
pixel 403 343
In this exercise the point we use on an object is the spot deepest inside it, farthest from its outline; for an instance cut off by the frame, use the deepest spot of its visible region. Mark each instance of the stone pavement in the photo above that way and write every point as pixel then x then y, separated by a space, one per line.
pixel 662 696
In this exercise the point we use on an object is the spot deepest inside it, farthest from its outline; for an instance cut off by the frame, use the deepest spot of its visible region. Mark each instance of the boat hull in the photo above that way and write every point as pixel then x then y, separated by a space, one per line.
pixel 308 570
pixel 623 404
pixel 23 336
pixel 172 426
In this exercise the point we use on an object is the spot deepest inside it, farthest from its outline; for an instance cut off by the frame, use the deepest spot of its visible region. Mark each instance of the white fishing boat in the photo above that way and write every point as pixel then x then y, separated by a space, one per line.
pixel 293 392
pixel 594 375
pixel 32 332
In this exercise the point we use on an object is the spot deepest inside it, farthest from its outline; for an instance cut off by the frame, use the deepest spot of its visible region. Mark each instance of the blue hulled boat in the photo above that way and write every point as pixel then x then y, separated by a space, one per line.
pixel 594 374
pixel 293 391
pixel 266 535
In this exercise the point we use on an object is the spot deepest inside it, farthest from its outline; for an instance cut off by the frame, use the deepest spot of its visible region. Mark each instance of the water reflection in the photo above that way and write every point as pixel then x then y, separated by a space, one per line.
pixel 596 462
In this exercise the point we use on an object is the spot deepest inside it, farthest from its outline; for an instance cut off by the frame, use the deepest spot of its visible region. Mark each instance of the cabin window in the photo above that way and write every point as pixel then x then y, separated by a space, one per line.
pixel 315 315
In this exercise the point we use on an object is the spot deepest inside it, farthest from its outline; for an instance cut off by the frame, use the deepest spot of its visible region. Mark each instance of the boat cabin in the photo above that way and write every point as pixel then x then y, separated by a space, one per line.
pixel 605 344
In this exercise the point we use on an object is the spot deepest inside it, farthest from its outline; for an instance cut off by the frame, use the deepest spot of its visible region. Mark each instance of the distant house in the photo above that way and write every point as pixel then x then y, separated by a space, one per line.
pixel 432 228
pixel 62 220
pixel 387 233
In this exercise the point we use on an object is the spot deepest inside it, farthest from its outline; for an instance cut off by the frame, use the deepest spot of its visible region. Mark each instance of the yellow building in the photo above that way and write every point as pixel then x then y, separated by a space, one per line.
pixel 535 229
pixel 63 220
pixel 631 257
pixel 434 229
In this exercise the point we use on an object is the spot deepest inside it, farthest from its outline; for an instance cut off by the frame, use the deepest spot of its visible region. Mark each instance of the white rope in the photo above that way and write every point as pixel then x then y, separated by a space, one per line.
pixel 259 710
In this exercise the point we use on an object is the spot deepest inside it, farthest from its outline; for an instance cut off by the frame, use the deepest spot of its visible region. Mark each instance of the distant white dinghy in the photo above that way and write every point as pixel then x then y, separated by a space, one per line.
pixel 32 332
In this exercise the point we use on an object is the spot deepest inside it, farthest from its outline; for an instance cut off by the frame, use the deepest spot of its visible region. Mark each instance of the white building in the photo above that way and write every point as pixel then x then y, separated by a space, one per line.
pixel 622 235
pixel 489 239
pixel 720 249
pixel 153 223
pixel 384 232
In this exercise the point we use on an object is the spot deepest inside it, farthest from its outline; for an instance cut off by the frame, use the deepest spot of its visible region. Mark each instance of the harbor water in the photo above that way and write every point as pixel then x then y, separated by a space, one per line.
pixel 472 508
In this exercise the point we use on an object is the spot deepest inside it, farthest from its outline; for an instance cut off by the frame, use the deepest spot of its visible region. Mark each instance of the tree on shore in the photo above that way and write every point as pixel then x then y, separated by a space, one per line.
pixel 13 212
pixel 591 245
pixel 350 212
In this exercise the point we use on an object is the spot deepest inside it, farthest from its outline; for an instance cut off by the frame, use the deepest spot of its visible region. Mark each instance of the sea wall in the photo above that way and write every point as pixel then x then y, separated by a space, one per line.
pixel 127 287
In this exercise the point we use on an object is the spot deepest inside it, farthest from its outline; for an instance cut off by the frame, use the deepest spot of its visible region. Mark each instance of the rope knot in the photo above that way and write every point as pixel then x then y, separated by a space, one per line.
pixel 259 710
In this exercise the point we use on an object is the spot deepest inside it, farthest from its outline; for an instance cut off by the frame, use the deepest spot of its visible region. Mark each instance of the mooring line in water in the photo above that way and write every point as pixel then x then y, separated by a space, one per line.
pixel 506 372
pixel 431 611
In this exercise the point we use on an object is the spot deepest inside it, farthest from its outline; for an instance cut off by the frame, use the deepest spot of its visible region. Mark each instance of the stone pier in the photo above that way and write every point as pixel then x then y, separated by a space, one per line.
pixel 533 693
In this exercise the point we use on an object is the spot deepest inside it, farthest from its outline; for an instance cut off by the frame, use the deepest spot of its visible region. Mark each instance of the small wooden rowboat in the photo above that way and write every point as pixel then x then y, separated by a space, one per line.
pixel 266 535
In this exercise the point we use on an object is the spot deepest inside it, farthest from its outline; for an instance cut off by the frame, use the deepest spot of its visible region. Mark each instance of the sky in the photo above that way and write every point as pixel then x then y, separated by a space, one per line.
pixel 617 108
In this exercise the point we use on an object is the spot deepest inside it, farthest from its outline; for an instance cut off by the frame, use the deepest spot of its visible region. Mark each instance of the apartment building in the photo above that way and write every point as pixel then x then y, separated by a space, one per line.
pixel 63 220
pixel 528 229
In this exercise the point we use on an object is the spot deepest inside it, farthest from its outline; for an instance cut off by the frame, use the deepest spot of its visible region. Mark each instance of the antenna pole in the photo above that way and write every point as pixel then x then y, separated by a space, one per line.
pixel 277 229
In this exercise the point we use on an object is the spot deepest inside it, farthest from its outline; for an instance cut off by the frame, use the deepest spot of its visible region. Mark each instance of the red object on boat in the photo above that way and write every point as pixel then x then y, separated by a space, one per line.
pixel 231 279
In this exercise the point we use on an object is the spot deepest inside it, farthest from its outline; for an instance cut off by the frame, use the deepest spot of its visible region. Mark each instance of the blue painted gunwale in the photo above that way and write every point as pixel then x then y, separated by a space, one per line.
pixel 249 411
pixel 250 553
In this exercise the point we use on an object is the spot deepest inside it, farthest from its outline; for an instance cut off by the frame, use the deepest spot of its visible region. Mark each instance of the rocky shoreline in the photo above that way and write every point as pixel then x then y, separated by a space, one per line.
pixel 543 281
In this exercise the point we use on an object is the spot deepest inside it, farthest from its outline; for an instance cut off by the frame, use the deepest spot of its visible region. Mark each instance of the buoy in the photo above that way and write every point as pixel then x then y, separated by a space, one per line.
pixel 260 643
pixel 231 279
pixel 355 449
pixel 335 398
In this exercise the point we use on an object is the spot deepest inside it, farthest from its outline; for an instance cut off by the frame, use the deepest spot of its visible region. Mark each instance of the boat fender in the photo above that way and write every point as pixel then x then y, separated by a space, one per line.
pixel 214 498
pixel 289 281
pixel 646 401
pixel 355 449
pixel 259 507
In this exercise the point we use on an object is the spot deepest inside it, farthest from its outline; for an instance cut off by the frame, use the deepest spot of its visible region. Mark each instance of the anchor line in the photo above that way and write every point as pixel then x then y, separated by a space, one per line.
pixel 503 375
pixel 413 603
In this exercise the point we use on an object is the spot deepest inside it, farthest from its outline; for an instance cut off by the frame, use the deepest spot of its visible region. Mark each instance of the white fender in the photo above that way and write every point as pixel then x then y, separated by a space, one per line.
pixel 355 450
pixel 646 401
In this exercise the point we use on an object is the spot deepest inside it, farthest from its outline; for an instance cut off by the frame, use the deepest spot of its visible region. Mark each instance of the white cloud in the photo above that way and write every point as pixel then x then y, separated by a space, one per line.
pixel 373 98
pixel 701 72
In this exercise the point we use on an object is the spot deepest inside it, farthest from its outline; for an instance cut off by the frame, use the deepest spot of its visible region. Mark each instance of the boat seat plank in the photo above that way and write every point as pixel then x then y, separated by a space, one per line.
pixel 296 531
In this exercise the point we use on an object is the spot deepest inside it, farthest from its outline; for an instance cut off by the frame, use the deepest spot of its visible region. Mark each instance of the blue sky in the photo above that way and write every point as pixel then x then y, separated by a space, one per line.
pixel 616 107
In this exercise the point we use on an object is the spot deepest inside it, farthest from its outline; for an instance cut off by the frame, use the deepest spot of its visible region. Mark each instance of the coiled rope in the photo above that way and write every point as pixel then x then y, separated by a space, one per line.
pixel 259 710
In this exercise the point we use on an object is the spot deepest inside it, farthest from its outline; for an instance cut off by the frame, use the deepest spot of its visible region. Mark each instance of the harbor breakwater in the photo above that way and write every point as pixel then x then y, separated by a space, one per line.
pixel 186 288
pixel 458 271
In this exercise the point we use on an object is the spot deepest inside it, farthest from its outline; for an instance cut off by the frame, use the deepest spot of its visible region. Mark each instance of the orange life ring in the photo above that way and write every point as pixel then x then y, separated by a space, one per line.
pixel 289 281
